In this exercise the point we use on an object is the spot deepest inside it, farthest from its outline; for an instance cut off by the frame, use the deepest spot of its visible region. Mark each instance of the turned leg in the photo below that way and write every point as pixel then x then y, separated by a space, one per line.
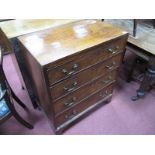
pixel 149 75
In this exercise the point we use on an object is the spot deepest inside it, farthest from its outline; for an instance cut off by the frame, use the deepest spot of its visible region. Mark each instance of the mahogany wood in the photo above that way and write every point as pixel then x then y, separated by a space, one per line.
pixel 81 55
pixel 75 97
pixel 89 101
pixel 85 60
pixel 85 76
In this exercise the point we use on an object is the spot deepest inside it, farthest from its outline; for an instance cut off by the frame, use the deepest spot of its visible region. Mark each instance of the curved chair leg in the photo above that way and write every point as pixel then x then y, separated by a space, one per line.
pixel 14 95
pixel 17 116
pixel 21 120
pixel 18 100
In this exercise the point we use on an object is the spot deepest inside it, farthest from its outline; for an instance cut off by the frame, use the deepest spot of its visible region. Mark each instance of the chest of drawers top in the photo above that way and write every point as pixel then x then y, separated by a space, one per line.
pixel 54 44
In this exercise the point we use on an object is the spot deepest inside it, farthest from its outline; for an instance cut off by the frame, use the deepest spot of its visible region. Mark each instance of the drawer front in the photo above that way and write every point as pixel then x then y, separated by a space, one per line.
pixel 71 84
pixel 70 114
pixel 90 58
pixel 85 91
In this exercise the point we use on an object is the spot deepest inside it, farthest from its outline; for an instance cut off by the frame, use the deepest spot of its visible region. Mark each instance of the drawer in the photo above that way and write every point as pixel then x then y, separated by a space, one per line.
pixel 71 84
pixel 85 91
pixel 75 111
pixel 84 61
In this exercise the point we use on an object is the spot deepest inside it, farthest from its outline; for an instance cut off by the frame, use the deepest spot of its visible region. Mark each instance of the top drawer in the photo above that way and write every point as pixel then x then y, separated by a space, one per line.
pixel 89 58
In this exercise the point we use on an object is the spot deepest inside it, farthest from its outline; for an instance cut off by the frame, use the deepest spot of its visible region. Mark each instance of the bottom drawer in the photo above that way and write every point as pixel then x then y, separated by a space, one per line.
pixel 72 113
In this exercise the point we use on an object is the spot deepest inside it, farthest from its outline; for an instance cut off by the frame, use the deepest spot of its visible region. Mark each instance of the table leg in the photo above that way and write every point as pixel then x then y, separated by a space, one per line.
pixel 149 75
pixel 134 27
pixel 154 23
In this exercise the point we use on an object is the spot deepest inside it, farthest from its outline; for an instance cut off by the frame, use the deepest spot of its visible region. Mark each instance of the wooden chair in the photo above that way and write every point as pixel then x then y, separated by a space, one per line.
pixel 7 98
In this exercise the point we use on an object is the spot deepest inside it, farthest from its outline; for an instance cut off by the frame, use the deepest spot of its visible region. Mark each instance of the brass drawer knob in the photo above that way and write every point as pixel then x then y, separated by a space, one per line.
pixel 111 66
pixel 107 80
pixel 69 89
pixel 70 116
pixel 74 68
pixel 103 95
pixel 113 50
pixel 69 104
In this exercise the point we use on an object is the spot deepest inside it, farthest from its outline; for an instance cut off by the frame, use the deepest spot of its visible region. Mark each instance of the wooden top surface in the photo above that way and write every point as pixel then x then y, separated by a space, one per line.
pixel 145 36
pixel 15 28
pixel 55 43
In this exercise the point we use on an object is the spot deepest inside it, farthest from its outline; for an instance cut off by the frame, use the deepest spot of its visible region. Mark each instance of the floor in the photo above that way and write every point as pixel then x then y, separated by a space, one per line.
pixel 121 116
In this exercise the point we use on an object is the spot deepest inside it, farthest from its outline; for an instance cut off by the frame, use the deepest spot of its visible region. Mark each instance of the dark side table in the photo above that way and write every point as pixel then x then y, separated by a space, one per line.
pixel 142 45
pixel 149 75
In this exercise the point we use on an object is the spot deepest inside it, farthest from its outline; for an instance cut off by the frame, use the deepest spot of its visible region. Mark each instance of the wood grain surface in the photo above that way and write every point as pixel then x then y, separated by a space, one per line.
pixel 56 43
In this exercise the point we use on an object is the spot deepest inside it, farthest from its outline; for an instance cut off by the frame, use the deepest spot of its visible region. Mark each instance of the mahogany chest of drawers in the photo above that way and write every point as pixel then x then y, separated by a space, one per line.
pixel 73 68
